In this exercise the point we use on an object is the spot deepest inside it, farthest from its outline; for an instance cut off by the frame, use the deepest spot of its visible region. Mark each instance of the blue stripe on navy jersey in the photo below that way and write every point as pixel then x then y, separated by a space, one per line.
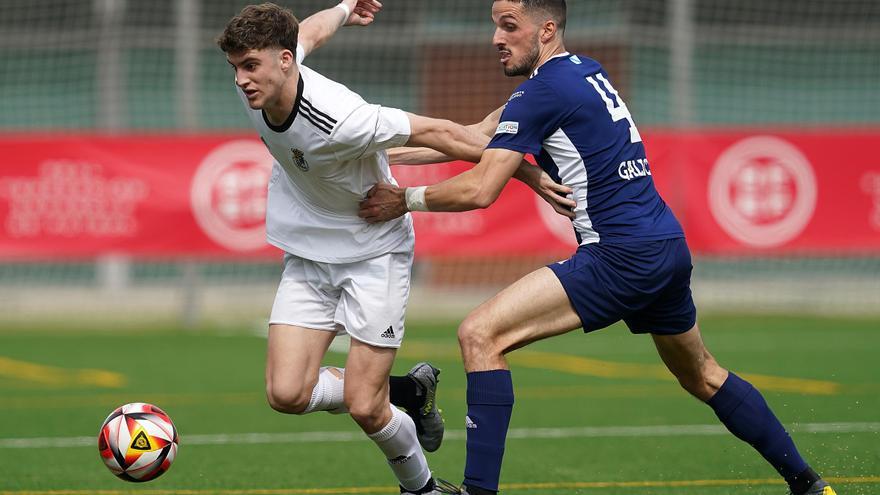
pixel 565 116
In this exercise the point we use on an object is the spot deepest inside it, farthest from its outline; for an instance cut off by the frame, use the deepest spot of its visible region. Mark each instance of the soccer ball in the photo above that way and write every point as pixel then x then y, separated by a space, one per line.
pixel 138 442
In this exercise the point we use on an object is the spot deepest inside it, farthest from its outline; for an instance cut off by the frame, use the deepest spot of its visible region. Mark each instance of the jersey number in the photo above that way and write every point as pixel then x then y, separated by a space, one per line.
pixel 618 112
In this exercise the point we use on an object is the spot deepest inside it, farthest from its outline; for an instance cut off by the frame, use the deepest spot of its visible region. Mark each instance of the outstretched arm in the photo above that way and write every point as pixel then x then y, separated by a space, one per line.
pixel 316 29
pixel 476 188
pixel 409 155
pixel 440 139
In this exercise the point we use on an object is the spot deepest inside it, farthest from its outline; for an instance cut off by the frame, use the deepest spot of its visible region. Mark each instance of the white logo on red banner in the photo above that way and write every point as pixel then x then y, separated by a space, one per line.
pixel 762 191
pixel 871 185
pixel 70 199
pixel 228 194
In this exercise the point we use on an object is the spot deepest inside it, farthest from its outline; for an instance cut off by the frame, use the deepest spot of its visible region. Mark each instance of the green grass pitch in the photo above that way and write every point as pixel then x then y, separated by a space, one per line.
pixel 595 414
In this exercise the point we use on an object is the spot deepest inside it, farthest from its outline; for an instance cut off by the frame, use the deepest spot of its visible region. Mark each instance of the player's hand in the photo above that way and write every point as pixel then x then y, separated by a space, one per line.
pixel 556 195
pixel 383 202
pixel 363 12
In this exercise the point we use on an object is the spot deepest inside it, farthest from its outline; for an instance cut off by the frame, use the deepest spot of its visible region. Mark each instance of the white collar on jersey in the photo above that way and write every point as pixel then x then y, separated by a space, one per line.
pixel 563 54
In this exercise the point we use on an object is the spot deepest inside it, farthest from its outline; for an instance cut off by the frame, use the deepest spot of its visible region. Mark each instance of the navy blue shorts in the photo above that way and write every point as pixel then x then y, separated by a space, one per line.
pixel 646 284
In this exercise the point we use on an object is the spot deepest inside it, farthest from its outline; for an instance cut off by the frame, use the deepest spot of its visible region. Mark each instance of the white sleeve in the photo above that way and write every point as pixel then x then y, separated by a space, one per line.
pixel 300 53
pixel 368 129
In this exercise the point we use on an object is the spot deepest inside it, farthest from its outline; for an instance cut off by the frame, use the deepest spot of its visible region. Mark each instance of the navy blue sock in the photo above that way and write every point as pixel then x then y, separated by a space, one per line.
pixel 490 403
pixel 746 414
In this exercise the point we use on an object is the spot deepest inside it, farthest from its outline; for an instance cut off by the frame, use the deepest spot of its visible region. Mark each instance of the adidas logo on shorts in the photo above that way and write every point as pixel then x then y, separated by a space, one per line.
pixel 388 334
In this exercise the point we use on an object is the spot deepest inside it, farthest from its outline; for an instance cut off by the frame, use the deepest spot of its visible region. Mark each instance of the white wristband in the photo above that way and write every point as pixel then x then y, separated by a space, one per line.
pixel 415 198
pixel 345 9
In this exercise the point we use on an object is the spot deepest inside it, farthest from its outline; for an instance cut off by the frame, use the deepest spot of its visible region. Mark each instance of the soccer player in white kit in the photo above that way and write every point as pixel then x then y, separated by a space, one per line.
pixel 341 274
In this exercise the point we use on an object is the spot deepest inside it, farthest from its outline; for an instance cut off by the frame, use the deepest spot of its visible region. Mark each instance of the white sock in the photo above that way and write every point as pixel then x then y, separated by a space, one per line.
pixel 401 447
pixel 328 392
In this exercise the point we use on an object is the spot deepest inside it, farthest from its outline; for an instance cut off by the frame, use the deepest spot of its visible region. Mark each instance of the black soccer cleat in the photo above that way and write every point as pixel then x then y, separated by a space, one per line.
pixel 820 487
pixel 428 418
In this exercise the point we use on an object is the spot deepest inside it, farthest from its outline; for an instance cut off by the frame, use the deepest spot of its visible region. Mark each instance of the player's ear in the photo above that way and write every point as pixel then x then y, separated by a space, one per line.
pixel 548 31
pixel 286 58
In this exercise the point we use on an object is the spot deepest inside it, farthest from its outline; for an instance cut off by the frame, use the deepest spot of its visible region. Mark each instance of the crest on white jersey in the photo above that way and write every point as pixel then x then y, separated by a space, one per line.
pixel 299 159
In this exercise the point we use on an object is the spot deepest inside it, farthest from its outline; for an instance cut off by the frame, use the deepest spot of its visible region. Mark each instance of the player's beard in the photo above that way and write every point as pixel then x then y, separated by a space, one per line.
pixel 528 63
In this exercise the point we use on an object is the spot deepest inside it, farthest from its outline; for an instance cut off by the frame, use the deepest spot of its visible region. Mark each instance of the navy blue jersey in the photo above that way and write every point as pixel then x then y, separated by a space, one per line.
pixel 570 117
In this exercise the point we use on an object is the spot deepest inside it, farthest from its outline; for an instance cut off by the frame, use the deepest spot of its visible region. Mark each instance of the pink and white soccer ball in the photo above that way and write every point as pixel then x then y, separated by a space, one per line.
pixel 138 442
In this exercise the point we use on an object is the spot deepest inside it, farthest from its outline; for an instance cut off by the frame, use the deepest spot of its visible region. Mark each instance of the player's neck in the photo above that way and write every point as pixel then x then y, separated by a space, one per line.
pixel 279 111
pixel 549 51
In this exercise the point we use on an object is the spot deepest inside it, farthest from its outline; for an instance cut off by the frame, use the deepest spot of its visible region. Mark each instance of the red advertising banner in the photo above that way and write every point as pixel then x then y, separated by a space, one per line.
pixel 145 196
pixel 736 192
pixel 744 193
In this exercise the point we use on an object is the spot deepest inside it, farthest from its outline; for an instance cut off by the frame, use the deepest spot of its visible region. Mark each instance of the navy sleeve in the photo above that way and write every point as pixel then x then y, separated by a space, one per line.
pixel 531 115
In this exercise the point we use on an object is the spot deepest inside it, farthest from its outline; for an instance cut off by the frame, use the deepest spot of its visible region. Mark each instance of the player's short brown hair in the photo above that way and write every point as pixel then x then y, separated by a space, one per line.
pixel 556 9
pixel 260 26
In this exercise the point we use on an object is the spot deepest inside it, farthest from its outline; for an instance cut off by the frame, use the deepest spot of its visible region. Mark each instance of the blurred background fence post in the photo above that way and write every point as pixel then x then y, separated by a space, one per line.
pixel 187 62
pixel 110 64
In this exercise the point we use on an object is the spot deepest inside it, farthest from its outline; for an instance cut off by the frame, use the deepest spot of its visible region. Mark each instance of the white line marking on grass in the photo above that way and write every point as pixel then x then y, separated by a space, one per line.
pixel 505 486
pixel 514 433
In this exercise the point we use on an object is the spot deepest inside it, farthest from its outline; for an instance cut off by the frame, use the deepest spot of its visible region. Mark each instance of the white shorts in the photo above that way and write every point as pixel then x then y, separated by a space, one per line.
pixel 366 299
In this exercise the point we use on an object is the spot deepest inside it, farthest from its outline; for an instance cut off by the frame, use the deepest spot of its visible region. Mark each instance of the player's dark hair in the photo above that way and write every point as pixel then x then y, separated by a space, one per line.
pixel 260 26
pixel 556 9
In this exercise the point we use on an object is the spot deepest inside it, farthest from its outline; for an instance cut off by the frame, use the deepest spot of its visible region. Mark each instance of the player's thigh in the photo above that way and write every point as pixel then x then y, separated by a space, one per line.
pixel 293 358
pixel 374 294
pixel 366 378
pixel 301 325
pixel 532 308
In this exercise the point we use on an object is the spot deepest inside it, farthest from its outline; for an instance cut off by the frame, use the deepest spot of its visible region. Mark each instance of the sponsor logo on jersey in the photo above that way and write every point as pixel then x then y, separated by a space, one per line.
pixel 299 159
pixel 507 128
pixel 515 95
pixel 632 169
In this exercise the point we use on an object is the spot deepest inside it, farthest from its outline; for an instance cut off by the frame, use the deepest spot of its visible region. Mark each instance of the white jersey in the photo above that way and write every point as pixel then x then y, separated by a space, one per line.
pixel 328 154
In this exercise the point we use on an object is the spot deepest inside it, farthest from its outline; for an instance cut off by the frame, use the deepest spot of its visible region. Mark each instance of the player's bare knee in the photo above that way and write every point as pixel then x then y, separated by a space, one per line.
pixel 474 335
pixel 289 400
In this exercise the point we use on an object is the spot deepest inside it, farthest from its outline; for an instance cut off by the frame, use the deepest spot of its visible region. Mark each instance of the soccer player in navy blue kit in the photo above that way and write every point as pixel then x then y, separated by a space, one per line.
pixel 632 264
